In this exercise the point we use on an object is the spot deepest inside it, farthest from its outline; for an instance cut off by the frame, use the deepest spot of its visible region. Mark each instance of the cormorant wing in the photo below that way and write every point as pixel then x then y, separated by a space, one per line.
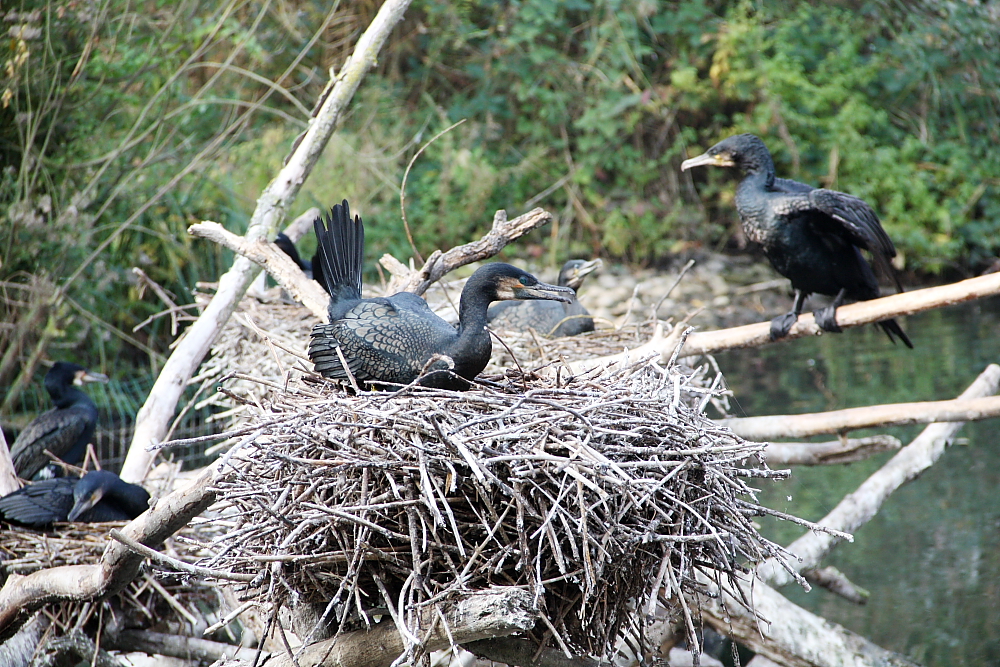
pixel 41 503
pixel 380 340
pixel 856 217
pixel 56 430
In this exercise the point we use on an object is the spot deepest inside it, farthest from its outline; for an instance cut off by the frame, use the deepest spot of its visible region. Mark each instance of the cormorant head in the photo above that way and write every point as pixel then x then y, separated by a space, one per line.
pixel 743 151
pixel 89 491
pixel 64 373
pixel 505 282
pixel 575 270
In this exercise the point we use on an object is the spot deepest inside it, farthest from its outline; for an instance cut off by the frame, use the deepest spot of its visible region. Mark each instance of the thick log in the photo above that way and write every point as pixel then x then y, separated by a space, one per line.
pixel 23 595
pixel 841 421
pixel 857 508
pixel 790 635
pixel 156 413
pixel 847 450
pixel 497 612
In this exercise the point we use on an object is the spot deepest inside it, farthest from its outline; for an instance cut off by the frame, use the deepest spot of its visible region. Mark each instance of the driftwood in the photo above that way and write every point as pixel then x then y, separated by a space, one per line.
pixel 857 508
pixel 827 453
pixel 8 476
pixel 841 421
pixel 22 595
pixel 851 315
pixel 497 612
pixel 154 418
pixel 790 635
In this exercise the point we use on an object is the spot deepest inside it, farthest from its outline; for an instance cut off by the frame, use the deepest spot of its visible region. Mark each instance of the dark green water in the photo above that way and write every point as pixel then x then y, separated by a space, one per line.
pixel 931 557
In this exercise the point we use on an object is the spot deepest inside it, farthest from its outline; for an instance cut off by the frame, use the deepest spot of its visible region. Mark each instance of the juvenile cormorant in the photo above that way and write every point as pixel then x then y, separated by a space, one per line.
pixel 97 496
pixel 398 339
pixel 66 429
pixel 549 318
pixel 812 236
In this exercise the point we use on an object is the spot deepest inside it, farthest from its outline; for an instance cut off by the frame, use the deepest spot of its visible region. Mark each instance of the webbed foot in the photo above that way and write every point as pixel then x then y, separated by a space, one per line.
pixel 826 318
pixel 780 326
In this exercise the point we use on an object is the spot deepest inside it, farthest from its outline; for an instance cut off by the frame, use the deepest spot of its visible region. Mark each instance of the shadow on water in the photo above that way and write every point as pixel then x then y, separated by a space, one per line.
pixel 931 557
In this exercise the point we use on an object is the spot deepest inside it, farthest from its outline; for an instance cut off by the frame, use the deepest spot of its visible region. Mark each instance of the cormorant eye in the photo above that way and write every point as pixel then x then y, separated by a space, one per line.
pixel 525 280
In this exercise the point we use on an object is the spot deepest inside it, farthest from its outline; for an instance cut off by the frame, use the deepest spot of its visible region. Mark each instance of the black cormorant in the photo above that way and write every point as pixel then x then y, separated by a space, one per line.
pixel 97 496
pixel 812 236
pixel 66 429
pixel 398 339
pixel 549 318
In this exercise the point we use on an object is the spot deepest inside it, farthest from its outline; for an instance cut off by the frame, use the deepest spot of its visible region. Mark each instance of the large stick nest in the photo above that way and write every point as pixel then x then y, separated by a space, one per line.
pixel 600 494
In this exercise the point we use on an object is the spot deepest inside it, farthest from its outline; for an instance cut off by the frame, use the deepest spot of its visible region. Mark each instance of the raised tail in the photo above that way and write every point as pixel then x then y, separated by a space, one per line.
pixel 340 250
pixel 892 328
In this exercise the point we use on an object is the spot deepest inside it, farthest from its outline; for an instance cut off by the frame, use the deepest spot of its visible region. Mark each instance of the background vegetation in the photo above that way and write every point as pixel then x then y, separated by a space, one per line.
pixel 123 122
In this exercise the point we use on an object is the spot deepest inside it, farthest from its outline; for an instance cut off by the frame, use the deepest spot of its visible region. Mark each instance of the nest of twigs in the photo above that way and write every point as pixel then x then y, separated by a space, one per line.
pixel 601 494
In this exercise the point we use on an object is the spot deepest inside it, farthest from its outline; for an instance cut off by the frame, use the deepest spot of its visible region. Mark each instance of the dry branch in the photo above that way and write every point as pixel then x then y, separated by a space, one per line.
pixel 790 635
pixel 857 508
pixel 22 595
pixel 154 418
pixel 497 612
pixel 440 263
pixel 841 421
pixel 518 652
pixel 837 582
pixel 8 475
pixel 827 453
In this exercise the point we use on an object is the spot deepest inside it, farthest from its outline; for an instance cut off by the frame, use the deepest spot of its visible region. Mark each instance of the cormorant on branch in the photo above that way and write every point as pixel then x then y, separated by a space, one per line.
pixel 398 339
pixel 549 318
pixel 66 430
pixel 812 236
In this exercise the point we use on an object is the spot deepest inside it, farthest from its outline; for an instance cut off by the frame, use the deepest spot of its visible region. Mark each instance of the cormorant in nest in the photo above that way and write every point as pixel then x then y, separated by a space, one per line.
pixel 549 318
pixel 97 496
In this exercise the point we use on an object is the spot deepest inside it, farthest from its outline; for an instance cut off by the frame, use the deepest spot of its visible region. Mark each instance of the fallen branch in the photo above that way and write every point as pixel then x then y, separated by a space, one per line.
pixel 8 475
pixel 518 652
pixel 857 508
pixel 841 421
pixel 22 595
pixel 827 453
pixel 790 635
pixel 154 418
pixel 175 646
pixel 497 612
pixel 440 263
pixel 837 582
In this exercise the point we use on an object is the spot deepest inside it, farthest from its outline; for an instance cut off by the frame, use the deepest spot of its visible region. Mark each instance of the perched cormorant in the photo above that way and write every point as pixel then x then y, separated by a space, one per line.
pixel 549 318
pixel 97 496
pixel 66 429
pixel 812 236
pixel 287 247
pixel 398 339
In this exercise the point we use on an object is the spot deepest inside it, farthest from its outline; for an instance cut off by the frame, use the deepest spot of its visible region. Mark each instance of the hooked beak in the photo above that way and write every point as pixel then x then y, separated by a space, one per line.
pixel 545 291
pixel 584 270
pixel 720 160
pixel 85 504
pixel 83 377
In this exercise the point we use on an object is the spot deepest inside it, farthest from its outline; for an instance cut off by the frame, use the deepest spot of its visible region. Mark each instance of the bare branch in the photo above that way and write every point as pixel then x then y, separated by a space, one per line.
pixel 857 508
pixel 827 453
pixel 8 475
pixel 837 582
pixel 518 652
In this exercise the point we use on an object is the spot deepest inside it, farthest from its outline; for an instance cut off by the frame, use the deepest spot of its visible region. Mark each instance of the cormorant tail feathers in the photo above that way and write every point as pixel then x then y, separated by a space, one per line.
pixel 341 247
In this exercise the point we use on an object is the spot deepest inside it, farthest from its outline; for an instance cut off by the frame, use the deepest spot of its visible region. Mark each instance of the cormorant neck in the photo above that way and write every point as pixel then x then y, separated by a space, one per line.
pixel 757 162
pixel 66 396
pixel 472 306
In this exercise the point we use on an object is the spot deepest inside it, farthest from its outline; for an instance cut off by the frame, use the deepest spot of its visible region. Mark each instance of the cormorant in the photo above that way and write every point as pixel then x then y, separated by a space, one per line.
pixel 97 496
pixel 398 339
pixel 66 429
pixel 812 236
pixel 287 247
pixel 549 318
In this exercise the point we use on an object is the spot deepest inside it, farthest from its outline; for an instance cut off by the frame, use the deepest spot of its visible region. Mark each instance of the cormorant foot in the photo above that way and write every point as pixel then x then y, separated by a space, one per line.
pixel 826 318
pixel 780 326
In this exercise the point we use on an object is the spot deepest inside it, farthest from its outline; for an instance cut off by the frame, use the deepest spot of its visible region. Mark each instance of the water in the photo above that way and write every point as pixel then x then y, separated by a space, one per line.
pixel 931 557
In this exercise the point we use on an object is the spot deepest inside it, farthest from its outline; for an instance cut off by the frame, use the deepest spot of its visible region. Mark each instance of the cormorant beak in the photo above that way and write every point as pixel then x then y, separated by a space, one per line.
pixel 83 377
pixel 718 160
pixel 545 291
pixel 584 270
pixel 84 504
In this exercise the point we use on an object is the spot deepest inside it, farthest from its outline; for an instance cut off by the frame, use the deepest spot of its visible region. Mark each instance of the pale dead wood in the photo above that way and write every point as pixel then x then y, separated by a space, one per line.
pixel 440 263
pixel 8 475
pixel 176 646
pixel 284 271
pixel 837 582
pixel 302 225
pixel 851 315
pixel 22 595
pixel 518 652
pixel 497 612
pixel 841 421
pixel 857 508
pixel 154 418
pixel 790 635
pixel 847 450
